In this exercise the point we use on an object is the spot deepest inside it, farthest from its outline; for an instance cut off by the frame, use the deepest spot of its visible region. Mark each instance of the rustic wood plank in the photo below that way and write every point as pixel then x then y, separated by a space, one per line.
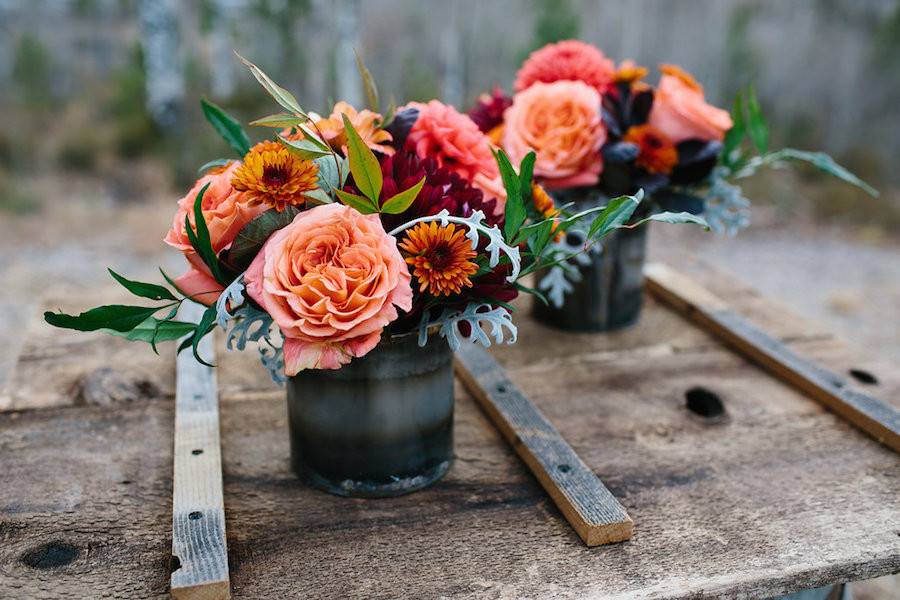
pixel 590 508
pixel 199 549
pixel 876 418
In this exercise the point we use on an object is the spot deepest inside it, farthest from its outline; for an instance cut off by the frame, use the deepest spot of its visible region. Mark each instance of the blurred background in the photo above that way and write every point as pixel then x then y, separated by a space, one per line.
pixel 101 132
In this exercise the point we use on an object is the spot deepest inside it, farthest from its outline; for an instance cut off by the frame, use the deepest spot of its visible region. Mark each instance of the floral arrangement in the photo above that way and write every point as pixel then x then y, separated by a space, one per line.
pixel 602 129
pixel 338 233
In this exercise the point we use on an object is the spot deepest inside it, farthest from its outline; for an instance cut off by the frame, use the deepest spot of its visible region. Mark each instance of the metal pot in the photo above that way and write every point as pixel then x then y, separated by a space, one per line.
pixel 380 426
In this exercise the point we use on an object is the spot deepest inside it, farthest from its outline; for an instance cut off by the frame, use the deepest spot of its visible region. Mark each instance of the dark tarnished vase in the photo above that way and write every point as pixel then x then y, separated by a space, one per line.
pixel 610 293
pixel 380 426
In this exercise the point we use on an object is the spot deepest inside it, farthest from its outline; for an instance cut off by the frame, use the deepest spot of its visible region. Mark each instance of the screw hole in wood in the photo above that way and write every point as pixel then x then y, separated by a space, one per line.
pixel 174 564
pixel 864 377
pixel 563 468
pixel 704 402
pixel 501 389
pixel 195 515
pixel 197 452
pixel 50 555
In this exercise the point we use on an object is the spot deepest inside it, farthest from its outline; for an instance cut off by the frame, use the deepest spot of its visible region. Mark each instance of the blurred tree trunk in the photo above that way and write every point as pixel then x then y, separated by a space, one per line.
pixel 162 63
pixel 349 86
pixel 452 59
pixel 222 59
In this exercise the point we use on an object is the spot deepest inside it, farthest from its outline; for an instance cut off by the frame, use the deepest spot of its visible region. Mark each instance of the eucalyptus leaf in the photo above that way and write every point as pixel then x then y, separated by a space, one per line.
pixel 403 200
pixel 116 317
pixel 250 239
pixel 144 290
pixel 363 164
pixel 281 95
pixel 227 126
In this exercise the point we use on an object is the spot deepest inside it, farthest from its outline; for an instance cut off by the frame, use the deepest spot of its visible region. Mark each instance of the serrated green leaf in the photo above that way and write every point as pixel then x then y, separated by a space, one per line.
pixel 514 212
pixel 227 126
pixel 368 82
pixel 250 239
pixel 144 290
pixel 219 162
pixel 360 203
pixel 363 163
pixel 400 202
pixel 613 216
pixel 756 124
pixel 305 149
pixel 281 95
pixel 279 121
pixel 736 134
pixel 116 317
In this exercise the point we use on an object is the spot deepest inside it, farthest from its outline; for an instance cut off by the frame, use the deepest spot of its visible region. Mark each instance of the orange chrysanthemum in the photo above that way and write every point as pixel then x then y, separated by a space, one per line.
pixel 272 175
pixel 656 152
pixel 440 257
pixel 543 203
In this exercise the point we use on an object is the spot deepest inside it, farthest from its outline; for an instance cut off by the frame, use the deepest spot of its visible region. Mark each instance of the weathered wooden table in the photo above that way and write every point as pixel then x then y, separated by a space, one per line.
pixel 775 496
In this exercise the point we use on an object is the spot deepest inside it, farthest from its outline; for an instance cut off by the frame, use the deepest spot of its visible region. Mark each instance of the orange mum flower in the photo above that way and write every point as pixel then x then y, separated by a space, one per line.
pixel 629 72
pixel 364 122
pixel 543 203
pixel 656 152
pixel 271 174
pixel 440 257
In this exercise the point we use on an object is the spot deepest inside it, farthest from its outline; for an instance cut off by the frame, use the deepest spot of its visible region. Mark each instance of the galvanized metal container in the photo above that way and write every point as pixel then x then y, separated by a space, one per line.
pixel 380 426
pixel 609 295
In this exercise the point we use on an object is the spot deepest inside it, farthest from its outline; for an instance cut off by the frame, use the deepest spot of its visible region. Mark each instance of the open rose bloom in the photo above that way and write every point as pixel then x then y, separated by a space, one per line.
pixel 332 235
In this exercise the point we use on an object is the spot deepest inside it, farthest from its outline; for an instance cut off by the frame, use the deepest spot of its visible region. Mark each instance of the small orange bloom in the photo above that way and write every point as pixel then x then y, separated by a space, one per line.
pixel 629 72
pixel 440 257
pixel 682 75
pixel 272 175
pixel 656 152
pixel 364 122
pixel 543 203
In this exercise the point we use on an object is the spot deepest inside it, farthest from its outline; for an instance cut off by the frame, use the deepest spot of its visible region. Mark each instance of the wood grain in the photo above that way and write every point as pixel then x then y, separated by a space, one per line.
pixel 879 419
pixel 199 549
pixel 590 508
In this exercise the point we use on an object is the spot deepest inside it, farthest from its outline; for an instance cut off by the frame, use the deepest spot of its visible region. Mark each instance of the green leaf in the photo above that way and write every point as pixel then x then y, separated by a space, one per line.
pixel 537 242
pixel 400 202
pixel 360 203
pixel 675 218
pixel 736 134
pixel 250 239
pixel 281 95
pixel 363 164
pixel 171 282
pixel 613 216
pixel 318 196
pixel 368 82
pixel 219 162
pixel 756 124
pixel 526 174
pixel 144 290
pixel 227 126
pixel 329 178
pixel 153 330
pixel 116 317
pixel 305 149
pixel 206 324
pixel 200 239
pixel 824 163
pixel 515 208
pixel 279 121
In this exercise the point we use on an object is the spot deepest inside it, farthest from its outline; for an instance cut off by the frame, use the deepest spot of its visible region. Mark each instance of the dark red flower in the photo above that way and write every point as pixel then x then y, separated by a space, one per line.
pixel 488 111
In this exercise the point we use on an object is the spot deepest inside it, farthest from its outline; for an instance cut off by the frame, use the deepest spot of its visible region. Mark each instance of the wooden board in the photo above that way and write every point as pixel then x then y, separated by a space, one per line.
pixel 871 415
pixel 199 549
pixel 590 508
pixel 775 496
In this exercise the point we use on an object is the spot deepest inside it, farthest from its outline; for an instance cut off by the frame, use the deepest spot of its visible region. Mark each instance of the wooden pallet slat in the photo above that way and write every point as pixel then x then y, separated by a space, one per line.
pixel 876 418
pixel 199 549
pixel 591 509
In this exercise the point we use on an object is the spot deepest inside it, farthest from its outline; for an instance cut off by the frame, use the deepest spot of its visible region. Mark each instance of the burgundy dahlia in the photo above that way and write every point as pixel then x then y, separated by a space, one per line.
pixel 488 111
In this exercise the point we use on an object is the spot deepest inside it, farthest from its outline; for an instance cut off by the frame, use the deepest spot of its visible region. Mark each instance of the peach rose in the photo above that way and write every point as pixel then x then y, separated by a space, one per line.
pixel 681 112
pixel 561 122
pixel 331 280
pixel 225 211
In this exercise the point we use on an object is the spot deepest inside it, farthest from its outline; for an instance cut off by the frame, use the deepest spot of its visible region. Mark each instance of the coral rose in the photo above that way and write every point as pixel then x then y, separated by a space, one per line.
pixel 331 280
pixel 225 211
pixel 453 139
pixel 681 112
pixel 567 60
pixel 561 122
